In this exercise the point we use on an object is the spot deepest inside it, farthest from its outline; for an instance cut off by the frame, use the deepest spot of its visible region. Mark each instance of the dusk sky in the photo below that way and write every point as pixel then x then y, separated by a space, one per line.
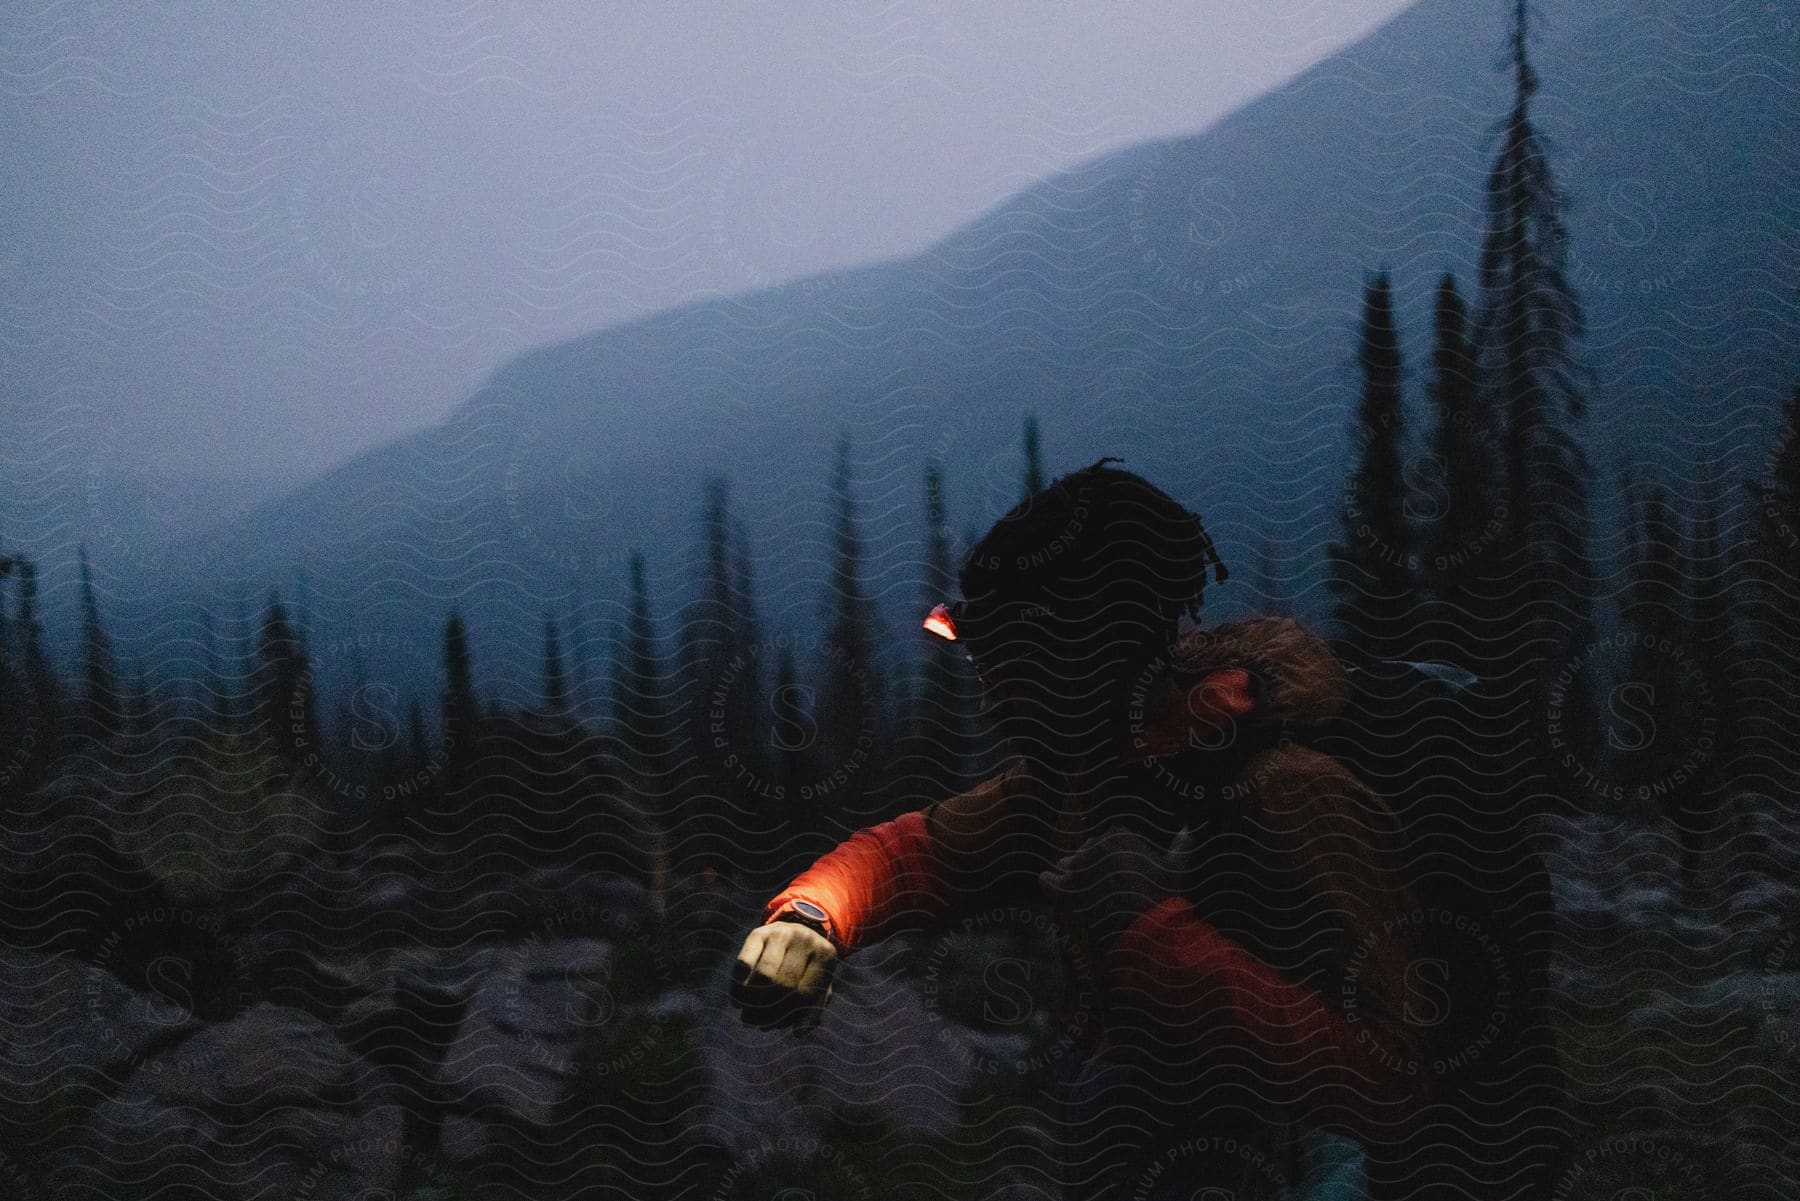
pixel 253 240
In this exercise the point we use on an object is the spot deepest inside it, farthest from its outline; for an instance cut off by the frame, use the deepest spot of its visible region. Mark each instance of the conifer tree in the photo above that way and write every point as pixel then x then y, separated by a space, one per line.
pixel 1531 321
pixel 710 631
pixel 1374 565
pixel 27 733
pixel 1647 707
pixel 40 675
pixel 1510 1111
pixel 212 703
pixel 941 708
pixel 286 708
pixel 793 762
pixel 1717 712
pixel 849 697
pixel 8 565
pixel 1265 578
pixel 1034 459
pixel 639 705
pixel 723 637
pixel 555 678
pixel 418 746
pixel 100 691
pixel 461 710
pixel 135 704
pixel 1770 746
pixel 1460 516
pixel 751 677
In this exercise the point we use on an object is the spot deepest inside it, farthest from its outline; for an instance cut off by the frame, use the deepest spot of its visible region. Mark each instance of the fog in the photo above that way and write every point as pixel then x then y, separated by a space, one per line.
pixel 248 241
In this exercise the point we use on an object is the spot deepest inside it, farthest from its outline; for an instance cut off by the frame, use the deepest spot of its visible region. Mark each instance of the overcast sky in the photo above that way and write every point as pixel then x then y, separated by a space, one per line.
pixel 254 239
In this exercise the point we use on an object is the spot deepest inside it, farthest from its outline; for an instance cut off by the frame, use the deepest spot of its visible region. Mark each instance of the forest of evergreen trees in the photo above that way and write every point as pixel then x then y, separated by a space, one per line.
pixel 1650 689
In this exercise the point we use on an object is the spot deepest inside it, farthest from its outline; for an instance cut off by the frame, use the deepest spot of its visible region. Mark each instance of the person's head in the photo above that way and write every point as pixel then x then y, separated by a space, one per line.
pixel 1070 594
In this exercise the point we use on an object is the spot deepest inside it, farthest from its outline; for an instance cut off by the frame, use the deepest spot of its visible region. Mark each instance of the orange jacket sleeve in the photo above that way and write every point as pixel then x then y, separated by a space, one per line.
pixel 872 883
pixel 898 875
pixel 1219 1015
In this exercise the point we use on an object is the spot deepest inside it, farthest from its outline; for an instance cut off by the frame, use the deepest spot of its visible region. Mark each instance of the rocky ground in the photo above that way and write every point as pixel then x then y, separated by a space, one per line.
pixel 390 1030
pixel 1680 1017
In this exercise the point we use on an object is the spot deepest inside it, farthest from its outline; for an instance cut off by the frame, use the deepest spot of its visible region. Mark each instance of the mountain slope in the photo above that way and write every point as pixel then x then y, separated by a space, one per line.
pixel 1189 304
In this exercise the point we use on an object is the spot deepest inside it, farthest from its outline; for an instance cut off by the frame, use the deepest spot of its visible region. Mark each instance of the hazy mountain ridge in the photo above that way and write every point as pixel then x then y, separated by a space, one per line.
pixel 1190 304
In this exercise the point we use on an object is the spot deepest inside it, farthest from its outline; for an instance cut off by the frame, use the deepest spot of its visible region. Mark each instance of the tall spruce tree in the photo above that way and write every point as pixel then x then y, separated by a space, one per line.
pixel 461 710
pixel 792 755
pixel 555 677
pixel 751 678
pixel 23 739
pixel 1531 321
pixel 136 704
pixel 721 642
pixel 1647 706
pixel 100 701
pixel 943 703
pixel 1713 638
pixel 712 624
pixel 1034 457
pixel 1770 745
pixel 212 702
pixel 1459 516
pixel 640 716
pixel 286 705
pixel 850 716
pixel 1507 1133
pixel 1266 579
pixel 44 692
pixel 1375 563
pixel 8 651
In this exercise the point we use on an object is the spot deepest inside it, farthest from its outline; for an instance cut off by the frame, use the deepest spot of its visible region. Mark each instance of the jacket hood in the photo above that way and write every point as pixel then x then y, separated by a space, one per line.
pixel 1304 682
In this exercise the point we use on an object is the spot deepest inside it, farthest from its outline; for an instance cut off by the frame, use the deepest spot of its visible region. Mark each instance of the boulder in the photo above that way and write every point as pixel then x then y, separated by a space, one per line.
pixel 877 1045
pixel 257 1108
pixel 541 1006
pixel 71 1035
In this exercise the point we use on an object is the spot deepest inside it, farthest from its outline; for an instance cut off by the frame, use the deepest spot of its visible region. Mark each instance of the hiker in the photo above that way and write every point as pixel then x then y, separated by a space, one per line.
pixel 1233 899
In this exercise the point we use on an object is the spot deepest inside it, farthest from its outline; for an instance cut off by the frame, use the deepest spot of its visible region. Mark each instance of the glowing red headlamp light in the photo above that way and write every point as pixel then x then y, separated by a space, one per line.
pixel 941 622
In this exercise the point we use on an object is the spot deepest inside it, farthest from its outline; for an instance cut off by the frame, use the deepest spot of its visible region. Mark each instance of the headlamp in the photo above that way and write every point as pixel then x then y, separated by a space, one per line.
pixel 942 621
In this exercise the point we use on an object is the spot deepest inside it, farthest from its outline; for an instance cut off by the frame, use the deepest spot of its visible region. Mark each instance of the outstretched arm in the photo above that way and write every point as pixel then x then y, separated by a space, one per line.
pixel 991 841
pixel 909 871
pixel 881 879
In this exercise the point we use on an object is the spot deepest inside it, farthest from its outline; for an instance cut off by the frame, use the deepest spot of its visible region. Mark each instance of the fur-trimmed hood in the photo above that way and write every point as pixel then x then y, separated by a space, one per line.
pixel 1304 684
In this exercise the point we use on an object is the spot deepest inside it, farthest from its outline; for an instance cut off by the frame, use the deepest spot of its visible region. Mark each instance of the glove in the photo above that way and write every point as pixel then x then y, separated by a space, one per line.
pixel 1115 876
pixel 782 977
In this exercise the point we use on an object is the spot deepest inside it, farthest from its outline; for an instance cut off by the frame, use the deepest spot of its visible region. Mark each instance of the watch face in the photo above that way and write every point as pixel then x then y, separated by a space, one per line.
pixel 808 909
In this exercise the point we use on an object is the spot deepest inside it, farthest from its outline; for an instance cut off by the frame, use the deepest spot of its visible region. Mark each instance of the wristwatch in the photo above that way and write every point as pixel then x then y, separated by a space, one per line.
pixel 809 915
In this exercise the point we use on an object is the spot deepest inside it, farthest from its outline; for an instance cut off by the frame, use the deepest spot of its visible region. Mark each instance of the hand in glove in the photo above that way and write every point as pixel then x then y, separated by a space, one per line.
pixel 783 976
pixel 1115 876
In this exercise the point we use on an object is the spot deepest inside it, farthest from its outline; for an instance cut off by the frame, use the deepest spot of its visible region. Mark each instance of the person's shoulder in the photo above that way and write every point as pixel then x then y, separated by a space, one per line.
pixel 978 810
